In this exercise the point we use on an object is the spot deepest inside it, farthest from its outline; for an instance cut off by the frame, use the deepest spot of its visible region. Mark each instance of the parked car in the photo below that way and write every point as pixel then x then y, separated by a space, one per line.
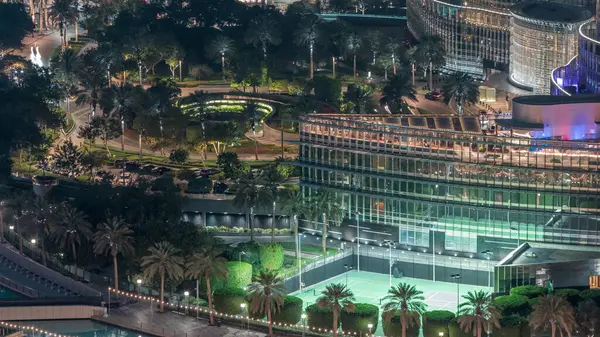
pixel 131 166
pixel 148 168
pixel 208 172
pixel 160 170
pixel 433 95
pixel 119 163
pixel 220 188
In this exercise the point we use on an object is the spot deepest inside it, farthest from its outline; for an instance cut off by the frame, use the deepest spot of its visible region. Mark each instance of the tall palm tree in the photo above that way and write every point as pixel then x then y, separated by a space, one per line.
pixel 270 182
pixel 373 37
pixel 407 302
pixel 114 237
pixel 206 265
pixel 396 90
pixel 353 43
pixel 92 80
pixel 336 297
pixel 163 260
pixel 219 47
pixel 331 209
pixel 294 204
pixel 247 197
pixel 307 34
pixel 42 212
pixel 478 313
pixel 430 53
pixel 462 88
pixel 120 99
pixel 266 293
pixel 65 12
pixel 70 228
pixel 553 312
pixel 392 45
pixel 262 32
pixel 19 206
pixel 67 68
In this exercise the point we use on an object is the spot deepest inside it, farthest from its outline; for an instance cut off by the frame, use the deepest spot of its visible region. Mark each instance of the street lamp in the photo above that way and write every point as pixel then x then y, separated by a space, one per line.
pixel 303 324
pixel 33 241
pixel 187 295
pixel 515 228
pixel 389 244
pixel 457 278
pixel 487 254
pixel 348 268
pixel 139 285
pixel 11 227
pixel 441 334
pixel 240 255
pixel 370 327
pixel 243 306
pixel 299 262
pixel 357 213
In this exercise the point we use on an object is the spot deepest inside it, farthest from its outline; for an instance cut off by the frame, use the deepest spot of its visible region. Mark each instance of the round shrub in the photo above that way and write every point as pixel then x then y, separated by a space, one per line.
pixel 358 320
pixel 239 275
pixel 572 295
pixel 319 317
pixel 591 294
pixel 228 300
pixel 291 312
pixel 271 256
pixel 437 321
pixel 529 291
pixel 393 328
pixel 512 305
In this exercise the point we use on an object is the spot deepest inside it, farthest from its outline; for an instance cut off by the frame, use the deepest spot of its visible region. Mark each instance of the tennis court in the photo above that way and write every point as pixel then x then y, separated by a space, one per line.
pixel 372 287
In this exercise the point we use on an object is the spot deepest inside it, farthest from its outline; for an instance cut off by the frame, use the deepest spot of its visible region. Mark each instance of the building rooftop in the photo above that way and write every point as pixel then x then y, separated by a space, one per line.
pixel 540 253
pixel 553 100
pixel 551 11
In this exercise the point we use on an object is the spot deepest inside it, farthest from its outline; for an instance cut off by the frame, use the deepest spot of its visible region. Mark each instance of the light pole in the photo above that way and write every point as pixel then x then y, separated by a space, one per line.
pixel 370 327
pixel 243 306
pixel 357 213
pixel 515 228
pixel 433 250
pixel 487 254
pixel 300 236
pixel 441 334
pixel 457 278
pixel 390 250
pixel 139 285
pixel 303 324
pixel 187 296
pixel 348 268
pixel 240 255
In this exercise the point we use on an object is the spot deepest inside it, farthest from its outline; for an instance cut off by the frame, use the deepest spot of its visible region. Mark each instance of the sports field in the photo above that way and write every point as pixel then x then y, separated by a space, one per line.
pixel 372 287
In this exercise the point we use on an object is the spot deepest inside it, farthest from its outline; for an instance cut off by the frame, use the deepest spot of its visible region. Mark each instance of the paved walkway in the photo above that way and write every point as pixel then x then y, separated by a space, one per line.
pixel 139 317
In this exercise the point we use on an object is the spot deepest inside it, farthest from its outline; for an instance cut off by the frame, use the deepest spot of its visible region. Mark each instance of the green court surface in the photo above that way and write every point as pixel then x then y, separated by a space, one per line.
pixel 372 287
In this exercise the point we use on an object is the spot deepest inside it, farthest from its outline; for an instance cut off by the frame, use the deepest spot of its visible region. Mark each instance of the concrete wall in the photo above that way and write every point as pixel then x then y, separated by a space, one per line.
pixel 49 312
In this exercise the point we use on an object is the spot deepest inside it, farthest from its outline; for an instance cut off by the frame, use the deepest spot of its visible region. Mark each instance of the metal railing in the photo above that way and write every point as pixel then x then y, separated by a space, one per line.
pixel 18 288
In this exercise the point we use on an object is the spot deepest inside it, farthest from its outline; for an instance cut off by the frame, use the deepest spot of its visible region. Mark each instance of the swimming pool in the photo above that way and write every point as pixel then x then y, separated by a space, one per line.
pixel 6 294
pixel 84 328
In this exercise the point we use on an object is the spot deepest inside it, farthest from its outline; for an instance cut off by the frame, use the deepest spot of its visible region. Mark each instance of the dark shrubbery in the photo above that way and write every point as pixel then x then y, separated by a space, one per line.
pixel 511 326
pixel 319 317
pixel 358 320
pixel 529 291
pixel 572 295
pixel 228 300
pixel 513 305
pixel 393 328
pixel 291 311
pixel 591 294
pixel 437 321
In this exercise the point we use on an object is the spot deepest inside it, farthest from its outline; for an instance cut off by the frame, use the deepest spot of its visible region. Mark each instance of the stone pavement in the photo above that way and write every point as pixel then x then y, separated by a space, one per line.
pixel 138 317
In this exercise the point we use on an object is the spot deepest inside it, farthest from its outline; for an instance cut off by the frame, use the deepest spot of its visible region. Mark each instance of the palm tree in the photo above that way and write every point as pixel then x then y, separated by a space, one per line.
pixel 391 46
pixel 92 80
pixel 462 88
pixel 373 37
pixel 69 227
pixel 430 53
pixel 247 197
pixel 336 297
pixel 163 260
pixel 221 46
pixel 42 213
pixel 64 12
pixel 396 90
pixel 307 34
pixel 206 265
pixel 331 209
pixel 114 237
pixel 268 195
pixel 553 312
pixel 352 45
pixel 263 32
pixel 478 313
pixel 407 302
pixel 19 207
pixel 588 317
pixel 121 99
pixel 294 205
pixel 266 293
pixel 67 68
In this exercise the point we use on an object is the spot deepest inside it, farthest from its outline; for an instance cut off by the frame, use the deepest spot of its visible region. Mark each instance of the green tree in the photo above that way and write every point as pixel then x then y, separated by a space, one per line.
pixel 66 13
pixel 70 228
pixel 230 164
pixel 207 265
pixel 294 204
pixel 336 297
pixel 262 32
pixel 270 181
pixel 405 301
pixel 91 80
pixel 353 43
pixel 357 98
pixel 114 237
pixel 15 24
pixel 266 294
pixel 327 89
pixel 66 160
pixel 247 197
pixel 553 312
pixel 307 34
pixel 92 160
pixel 478 314
pixel 391 46
pixel 331 210
pixel 396 90
pixel 462 88
pixel 122 100
pixel 430 54
pixel 107 129
pixel 220 47
pixel 179 156
pixel 163 260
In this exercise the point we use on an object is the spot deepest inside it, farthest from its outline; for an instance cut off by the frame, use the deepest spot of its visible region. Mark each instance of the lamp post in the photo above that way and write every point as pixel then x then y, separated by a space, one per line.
pixel 139 285
pixel 515 228
pixel 187 296
pixel 243 306
pixel 487 254
pixel 300 236
pixel 370 327
pixel 303 324
pixel 457 278
pixel 390 250
pixel 240 255
pixel 441 334
pixel 357 213
pixel 348 268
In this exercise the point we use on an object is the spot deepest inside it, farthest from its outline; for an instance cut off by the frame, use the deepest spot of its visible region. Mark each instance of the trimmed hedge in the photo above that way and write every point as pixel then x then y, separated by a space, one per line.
pixel 393 328
pixel 511 326
pixel 437 321
pixel 572 295
pixel 456 331
pixel 358 320
pixel 591 294
pixel 271 256
pixel 239 275
pixel 319 317
pixel 529 291
pixel 513 305
pixel 291 312
pixel 228 300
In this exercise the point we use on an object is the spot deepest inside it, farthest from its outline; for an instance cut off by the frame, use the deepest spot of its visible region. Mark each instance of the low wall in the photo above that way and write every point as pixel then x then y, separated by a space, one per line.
pixel 49 312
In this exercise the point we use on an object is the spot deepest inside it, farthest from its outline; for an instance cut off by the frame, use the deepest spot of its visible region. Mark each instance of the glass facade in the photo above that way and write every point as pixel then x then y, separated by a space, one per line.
pixel 442 174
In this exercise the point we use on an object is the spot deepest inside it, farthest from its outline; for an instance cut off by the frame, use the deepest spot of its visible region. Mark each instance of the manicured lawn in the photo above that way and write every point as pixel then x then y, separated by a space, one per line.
pixel 310 249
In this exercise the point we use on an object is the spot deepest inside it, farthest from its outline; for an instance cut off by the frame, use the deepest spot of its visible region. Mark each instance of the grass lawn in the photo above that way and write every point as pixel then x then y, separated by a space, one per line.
pixel 310 249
